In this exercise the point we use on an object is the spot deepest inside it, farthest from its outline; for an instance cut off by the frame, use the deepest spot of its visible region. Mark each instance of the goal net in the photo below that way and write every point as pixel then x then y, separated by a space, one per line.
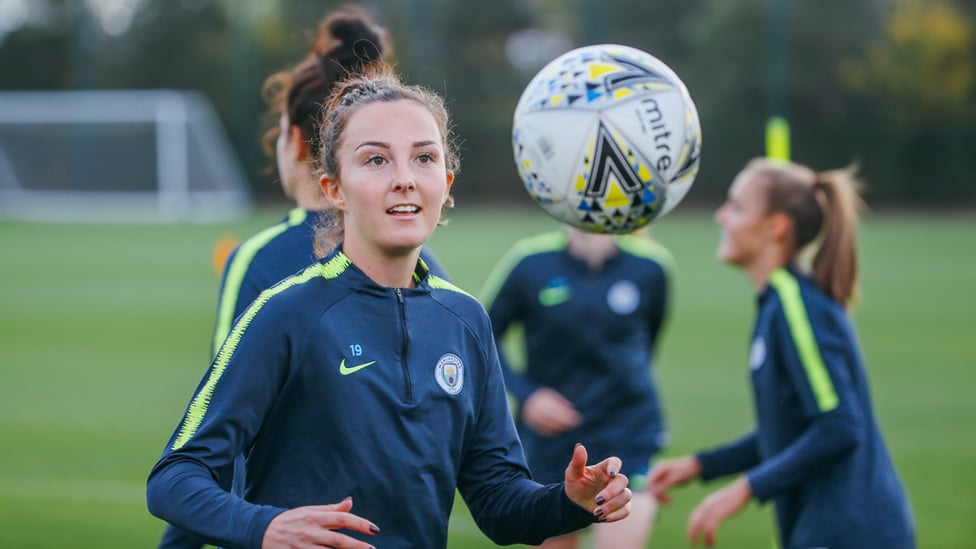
pixel 117 156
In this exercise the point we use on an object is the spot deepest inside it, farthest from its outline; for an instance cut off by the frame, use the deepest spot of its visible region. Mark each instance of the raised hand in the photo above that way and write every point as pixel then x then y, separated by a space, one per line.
pixel 600 489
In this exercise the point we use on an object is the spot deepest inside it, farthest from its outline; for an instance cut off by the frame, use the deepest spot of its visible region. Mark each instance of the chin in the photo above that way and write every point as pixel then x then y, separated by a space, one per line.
pixel 728 257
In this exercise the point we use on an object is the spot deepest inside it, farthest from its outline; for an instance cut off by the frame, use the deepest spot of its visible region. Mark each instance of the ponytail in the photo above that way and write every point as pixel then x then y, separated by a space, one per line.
pixel 823 206
pixel 835 268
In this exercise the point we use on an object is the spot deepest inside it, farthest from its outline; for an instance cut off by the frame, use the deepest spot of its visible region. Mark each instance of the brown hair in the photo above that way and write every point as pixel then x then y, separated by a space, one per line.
pixel 820 204
pixel 376 84
pixel 346 42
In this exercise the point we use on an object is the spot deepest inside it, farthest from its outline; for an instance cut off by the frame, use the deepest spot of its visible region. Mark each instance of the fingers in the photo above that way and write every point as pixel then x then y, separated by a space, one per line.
pixel 611 466
pixel 616 507
pixel 673 472
pixel 714 509
pixel 658 482
pixel 703 523
pixel 316 525
pixel 549 413
pixel 343 506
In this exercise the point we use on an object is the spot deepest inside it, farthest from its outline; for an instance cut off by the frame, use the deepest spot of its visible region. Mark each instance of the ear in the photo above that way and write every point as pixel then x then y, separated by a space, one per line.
pixel 296 136
pixel 780 226
pixel 450 179
pixel 332 191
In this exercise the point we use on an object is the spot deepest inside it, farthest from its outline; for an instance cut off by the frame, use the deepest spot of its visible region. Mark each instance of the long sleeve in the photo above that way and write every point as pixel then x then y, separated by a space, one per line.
pixel 494 481
pixel 827 438
pixel 222 419
pixel 735 457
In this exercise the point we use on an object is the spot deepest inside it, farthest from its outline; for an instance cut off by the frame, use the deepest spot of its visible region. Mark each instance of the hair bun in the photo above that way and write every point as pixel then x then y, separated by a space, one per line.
pixel 358 36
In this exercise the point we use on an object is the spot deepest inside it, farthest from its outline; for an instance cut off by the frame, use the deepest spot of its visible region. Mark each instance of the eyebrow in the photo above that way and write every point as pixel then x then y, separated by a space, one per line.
pixel 383 145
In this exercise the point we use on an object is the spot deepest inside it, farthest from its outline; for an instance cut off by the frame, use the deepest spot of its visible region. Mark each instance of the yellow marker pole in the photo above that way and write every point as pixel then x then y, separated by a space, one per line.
pixel 778 138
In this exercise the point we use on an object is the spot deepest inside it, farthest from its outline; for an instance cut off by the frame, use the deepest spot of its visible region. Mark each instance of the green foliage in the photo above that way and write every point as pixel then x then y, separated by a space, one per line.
pixel 104 334
pixel 924 43
pixel 890 83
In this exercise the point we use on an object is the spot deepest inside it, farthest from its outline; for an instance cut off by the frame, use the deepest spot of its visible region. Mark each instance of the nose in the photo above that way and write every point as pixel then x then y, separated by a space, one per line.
pixel 404 178
pixel 719 214
pixel 404 184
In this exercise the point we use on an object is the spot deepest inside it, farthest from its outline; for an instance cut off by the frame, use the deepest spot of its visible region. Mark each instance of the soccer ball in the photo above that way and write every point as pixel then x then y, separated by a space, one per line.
pixel 606 138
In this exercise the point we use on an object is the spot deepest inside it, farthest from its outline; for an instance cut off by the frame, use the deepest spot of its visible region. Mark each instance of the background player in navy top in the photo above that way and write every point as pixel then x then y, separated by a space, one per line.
pixel 591 308
pixel 364 378
pixel 346 40
pixel 817 451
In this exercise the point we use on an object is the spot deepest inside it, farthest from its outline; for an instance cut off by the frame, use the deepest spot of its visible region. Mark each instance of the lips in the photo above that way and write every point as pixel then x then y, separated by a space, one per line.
pixel 404 209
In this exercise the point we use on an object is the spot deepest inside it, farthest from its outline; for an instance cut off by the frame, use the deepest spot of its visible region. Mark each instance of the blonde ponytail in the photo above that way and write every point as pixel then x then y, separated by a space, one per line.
pixel 835 267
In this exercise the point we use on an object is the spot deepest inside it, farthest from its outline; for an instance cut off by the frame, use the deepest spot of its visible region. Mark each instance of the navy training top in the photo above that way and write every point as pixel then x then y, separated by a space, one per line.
pixel 591 337
pixel 817 451
pixel 254 265
pixel 334 386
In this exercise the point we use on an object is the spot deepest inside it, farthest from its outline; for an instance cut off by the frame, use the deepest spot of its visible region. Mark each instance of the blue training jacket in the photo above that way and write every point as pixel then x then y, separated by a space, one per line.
pixel 591 337
pixel 817 451
pixel 253 266
pixel 333 386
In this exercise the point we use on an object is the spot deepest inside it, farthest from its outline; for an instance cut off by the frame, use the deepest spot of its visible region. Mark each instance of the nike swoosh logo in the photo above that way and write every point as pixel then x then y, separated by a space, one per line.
pixel 346 370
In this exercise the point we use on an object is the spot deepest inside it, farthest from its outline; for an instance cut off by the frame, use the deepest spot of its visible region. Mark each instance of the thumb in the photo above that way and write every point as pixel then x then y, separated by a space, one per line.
pixel 577 465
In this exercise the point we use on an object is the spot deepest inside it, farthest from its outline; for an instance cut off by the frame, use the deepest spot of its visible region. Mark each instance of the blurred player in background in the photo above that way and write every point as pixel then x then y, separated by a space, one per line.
pixel 365 379
pixel 591 307
pixel 817 451
pixel 346 41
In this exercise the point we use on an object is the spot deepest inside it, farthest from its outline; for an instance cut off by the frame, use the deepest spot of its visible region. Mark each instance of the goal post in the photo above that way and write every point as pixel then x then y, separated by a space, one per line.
pixel 117 156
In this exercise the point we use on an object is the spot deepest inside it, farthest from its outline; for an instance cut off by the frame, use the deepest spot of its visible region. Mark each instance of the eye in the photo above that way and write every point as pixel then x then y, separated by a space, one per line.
pixel 375 160
pixel 426 158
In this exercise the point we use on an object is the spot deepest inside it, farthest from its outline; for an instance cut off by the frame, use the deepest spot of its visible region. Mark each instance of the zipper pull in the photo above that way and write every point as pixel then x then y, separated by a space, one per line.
pixel 399 294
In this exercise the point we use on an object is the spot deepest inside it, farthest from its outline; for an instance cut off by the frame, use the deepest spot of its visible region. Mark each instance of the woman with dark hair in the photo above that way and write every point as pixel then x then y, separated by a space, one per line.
pixel 346 41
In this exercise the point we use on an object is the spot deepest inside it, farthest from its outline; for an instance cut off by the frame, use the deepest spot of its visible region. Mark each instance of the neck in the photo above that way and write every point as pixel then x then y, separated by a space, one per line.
pixel 759 270
pixel 308 193
pixel 386 268
pixel 594 249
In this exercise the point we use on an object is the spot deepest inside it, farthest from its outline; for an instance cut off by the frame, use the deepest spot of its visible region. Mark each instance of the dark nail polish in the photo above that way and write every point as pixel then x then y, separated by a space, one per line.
pixel 601 519
pixel 598 513
pixel 600 500
pixel 613 473
pixel 374 528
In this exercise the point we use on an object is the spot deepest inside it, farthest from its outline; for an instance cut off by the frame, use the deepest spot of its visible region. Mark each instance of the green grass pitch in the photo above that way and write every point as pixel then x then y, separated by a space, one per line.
pixel 104 334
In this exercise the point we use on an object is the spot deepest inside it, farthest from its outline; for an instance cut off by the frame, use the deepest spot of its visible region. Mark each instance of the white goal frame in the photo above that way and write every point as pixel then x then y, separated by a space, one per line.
pixel 217 191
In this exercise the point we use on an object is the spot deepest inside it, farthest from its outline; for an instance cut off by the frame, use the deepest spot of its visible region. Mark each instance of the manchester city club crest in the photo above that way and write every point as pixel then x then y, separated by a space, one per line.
pixel 449 374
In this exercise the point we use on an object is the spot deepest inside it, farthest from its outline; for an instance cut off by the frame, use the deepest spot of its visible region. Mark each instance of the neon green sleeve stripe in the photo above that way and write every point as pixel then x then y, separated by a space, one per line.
pixel 238 268
pixel 546 242
pixel 201 401
pixel 799 323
